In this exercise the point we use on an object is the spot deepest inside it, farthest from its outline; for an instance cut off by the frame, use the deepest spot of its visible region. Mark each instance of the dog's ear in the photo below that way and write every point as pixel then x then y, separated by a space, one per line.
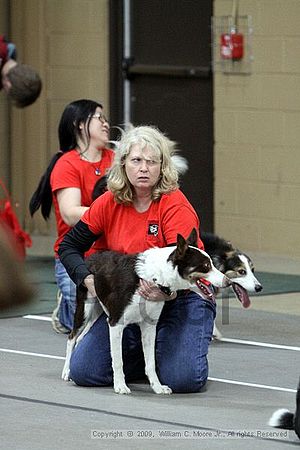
pixel 219 262
pixel 193 238
pixel 229 254
pixel 229 245
pixel 181 248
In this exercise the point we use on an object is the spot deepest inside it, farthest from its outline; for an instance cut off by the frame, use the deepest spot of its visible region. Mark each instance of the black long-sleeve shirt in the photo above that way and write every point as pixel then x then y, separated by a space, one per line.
pixel 71 251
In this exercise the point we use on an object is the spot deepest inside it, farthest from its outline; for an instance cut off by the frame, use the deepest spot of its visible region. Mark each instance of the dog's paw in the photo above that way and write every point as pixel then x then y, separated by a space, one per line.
pixel 65 375
pixel 121 388
pixel 217 335
pixel 162 389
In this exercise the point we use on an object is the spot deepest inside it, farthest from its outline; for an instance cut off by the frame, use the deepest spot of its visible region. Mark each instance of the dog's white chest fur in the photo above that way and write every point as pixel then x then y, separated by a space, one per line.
pixel 140 310
pixel 152 265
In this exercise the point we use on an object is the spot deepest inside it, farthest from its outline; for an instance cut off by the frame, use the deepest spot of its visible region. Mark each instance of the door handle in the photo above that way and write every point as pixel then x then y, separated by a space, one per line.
pixel 164 70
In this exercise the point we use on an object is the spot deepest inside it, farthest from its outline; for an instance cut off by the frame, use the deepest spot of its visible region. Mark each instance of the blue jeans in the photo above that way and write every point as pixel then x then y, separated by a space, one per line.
pixel 183 335
pixel 68 291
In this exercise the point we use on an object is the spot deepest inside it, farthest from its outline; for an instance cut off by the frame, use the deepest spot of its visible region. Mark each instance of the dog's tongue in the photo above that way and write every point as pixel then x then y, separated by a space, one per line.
pixel 203 286
pixel 241 294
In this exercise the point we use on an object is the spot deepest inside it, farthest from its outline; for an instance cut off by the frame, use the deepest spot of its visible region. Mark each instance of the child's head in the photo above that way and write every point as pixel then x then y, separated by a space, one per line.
pixel 23 85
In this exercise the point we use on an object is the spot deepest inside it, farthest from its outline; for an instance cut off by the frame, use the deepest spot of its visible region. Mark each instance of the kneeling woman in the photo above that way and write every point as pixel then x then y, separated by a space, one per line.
pixel 142 208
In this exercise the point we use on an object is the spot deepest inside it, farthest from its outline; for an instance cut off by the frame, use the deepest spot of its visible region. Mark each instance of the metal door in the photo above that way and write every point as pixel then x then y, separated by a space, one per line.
pixel 161 75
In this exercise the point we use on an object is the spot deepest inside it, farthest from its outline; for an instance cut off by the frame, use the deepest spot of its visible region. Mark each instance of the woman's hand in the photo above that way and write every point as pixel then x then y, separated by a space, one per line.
pixel 90 285
pixel 150 291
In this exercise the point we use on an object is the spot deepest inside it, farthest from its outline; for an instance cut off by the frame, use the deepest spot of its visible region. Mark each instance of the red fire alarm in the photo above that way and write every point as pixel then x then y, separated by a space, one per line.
pixel 232 42
pixel 232 45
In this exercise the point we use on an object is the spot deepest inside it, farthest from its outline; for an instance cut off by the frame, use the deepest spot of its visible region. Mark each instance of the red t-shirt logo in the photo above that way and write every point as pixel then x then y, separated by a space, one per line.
pixel 153 229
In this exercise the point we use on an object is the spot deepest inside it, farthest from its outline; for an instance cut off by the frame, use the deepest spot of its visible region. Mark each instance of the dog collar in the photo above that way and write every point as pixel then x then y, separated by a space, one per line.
pixel 165 289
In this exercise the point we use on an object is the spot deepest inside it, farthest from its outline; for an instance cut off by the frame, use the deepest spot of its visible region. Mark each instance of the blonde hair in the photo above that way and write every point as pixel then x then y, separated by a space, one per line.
pixel 163 147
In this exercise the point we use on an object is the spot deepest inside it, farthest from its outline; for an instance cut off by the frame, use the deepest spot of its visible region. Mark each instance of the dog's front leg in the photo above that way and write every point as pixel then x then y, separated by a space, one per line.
pixel 148 331
pixel 217 335
pixel 115 336
pixel 66 370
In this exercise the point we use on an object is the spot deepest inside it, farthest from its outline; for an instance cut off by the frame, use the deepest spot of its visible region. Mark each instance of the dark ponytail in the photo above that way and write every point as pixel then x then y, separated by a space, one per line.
pixel 74 115
pixel 42 197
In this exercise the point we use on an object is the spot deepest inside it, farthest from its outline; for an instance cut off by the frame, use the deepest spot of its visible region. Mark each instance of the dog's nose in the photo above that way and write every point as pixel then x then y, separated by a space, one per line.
pixel 258 288
pixel 226 282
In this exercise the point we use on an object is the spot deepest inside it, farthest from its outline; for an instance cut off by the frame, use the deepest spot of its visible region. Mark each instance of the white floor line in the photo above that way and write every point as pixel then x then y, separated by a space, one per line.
pixel 219 380
pixel 261 344
pixel 40 355
pixel 234 341
pixel 254 385
pixel 30 316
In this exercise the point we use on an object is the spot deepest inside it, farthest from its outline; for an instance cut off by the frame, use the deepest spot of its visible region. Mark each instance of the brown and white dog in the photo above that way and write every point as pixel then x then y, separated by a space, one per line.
pixel 117 279
pixel 236 265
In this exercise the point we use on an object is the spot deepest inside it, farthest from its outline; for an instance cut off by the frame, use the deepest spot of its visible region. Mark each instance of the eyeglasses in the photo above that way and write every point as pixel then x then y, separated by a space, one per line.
pixel 101 117
pixel 139 161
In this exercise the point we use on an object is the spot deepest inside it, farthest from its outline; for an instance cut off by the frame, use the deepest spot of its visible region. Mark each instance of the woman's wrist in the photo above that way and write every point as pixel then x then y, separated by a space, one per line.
pixel 90 284
pixel 88 279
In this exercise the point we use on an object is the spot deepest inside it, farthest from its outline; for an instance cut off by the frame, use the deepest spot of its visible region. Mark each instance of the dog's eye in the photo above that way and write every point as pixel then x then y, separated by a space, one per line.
pixel 242 272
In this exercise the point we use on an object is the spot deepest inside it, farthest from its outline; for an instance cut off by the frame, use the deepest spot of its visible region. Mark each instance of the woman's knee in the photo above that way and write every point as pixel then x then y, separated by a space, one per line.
pixel 182 345
pixel 90 363
pixel 85 375
pixel 185 380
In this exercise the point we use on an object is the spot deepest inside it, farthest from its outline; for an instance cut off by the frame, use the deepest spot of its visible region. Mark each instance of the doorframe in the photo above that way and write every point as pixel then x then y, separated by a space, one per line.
pixel 116 100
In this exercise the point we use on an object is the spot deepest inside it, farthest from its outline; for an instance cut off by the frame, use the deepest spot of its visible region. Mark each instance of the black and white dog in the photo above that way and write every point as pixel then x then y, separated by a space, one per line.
pixel 283 418
pixel 236 265
pixel 117 279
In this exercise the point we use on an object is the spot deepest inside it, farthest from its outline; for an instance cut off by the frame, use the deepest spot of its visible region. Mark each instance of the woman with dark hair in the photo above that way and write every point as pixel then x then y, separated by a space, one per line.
pixel 68 183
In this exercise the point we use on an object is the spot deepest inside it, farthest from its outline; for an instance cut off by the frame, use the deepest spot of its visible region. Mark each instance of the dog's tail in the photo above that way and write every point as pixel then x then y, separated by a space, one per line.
pixel 282 418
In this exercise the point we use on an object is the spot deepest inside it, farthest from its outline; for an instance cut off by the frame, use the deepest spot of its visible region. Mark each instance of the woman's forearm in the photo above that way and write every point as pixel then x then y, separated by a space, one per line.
pixel 71 251
pixel 73 215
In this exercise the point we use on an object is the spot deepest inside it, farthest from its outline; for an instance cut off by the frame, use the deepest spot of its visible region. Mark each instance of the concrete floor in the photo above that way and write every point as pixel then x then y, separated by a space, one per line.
pixel 253 371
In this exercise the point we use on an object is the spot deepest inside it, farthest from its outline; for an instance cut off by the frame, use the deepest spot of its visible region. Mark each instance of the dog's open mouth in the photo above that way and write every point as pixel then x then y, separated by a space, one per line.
pixel 241 294
pixel 203 286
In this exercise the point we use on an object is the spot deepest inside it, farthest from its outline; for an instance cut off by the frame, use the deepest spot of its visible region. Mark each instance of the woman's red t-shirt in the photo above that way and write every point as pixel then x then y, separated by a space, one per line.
pixel 72 171
pixel 129 231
